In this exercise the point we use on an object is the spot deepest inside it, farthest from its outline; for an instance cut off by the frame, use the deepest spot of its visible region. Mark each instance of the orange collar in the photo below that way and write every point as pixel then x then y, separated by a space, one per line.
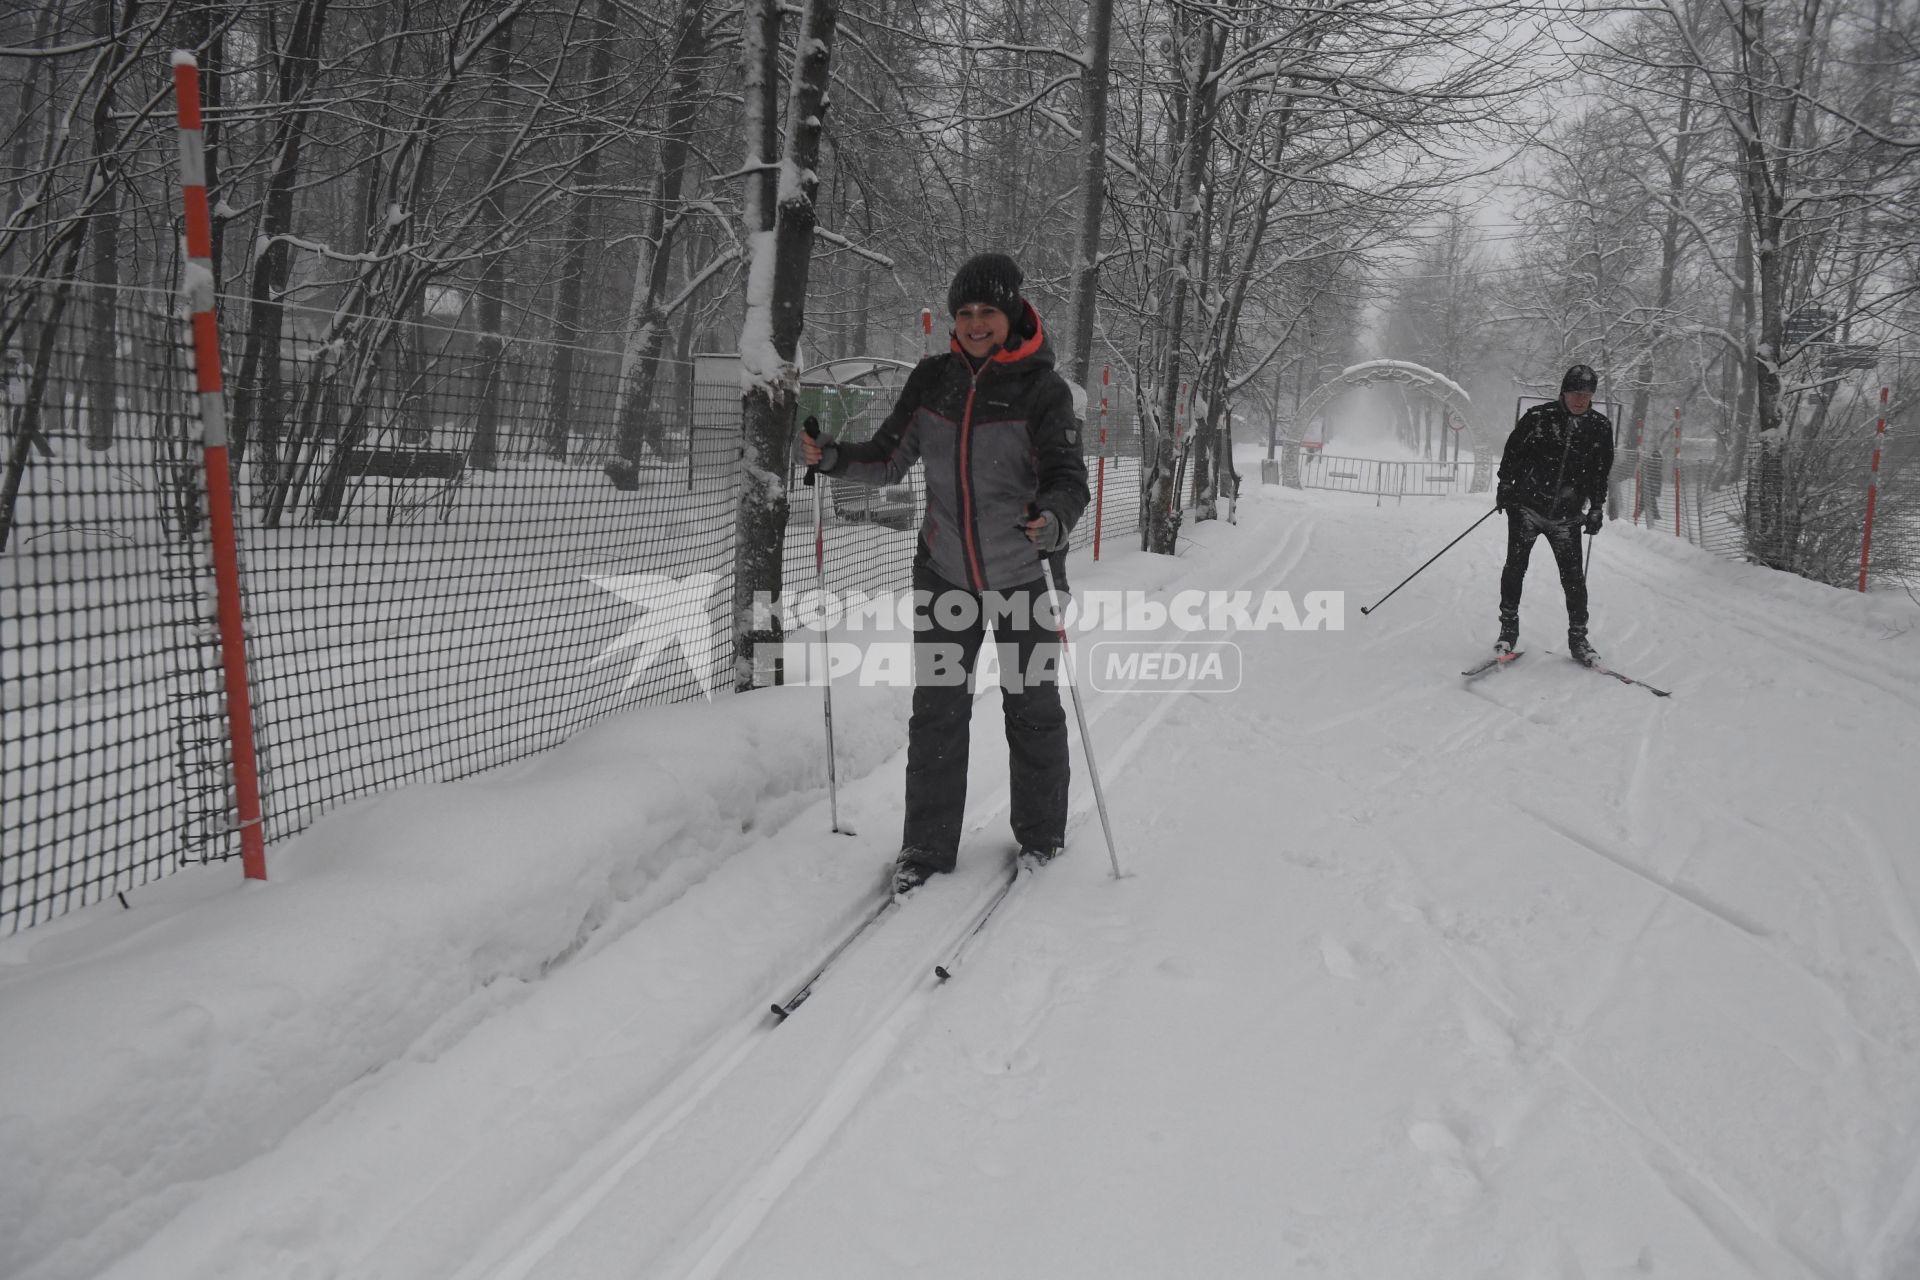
pixel 1008 355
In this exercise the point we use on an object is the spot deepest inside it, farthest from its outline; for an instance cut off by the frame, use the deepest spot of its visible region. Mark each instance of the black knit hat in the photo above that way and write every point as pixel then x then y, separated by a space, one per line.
pixel 1580 377
pixel 990 278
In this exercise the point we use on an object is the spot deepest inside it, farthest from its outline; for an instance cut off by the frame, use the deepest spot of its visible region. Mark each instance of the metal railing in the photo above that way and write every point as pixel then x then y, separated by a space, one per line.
pixel 1382 478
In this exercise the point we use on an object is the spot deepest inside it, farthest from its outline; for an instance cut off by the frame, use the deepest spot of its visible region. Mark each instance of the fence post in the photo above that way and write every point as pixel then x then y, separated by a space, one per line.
pixel 1100 486
pixel 1676 474
pixel 1873 488
pixel 1639 463
pixel 198 287
pixel 1176 500
pixel 926 332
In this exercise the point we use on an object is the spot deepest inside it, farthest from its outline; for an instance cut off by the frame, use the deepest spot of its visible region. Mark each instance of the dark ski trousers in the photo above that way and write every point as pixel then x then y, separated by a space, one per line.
pixel 1522 529
pixel 950 626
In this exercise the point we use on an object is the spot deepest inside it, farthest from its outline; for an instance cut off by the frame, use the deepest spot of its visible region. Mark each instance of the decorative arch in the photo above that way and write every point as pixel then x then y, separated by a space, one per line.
pixel 1455 405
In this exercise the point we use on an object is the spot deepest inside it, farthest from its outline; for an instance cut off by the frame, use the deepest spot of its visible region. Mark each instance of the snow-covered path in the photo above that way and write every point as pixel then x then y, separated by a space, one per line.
pixel 1539 977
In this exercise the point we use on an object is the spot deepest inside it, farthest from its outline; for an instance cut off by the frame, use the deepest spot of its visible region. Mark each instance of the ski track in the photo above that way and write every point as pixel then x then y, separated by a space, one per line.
pixel 1900 1231
pixel 1743 1235
pixel 1772 633
pixel 577 1194
pixel 1896 900
pixel 1699 901
pixel 1753 932
pixel 583 1190
pixel 734 1226
pixel 747 1193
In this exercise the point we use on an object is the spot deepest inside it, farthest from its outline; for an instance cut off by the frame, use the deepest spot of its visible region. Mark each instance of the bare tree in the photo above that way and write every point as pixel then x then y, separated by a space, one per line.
pixel 646 330
pixel 781 221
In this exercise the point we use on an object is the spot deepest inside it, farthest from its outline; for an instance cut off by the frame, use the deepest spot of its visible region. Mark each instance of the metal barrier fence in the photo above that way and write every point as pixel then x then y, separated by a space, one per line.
pixel 438 573
pixel 1384 479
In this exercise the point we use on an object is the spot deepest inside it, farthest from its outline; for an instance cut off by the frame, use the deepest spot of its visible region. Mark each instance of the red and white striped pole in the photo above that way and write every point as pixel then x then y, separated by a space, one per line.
pixel 1100 484
pixel 1873 489
pixel 1676 474
pixel 1639 464
pixel 926 331
pixel 198 288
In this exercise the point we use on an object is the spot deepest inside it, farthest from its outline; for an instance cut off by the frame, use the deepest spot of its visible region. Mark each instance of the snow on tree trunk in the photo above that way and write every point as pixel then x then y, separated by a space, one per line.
pixel 1093 181
pixel 782 246
pixel 1199 51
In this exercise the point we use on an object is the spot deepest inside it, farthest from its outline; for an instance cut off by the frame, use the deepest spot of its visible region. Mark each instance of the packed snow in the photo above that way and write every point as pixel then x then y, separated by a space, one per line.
pixel 1538 976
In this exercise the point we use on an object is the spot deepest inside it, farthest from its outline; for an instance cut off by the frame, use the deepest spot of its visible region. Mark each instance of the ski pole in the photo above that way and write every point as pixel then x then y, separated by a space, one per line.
pixel 1080 714
pixel 812 427
pixel 1588 568
pixel 1369 608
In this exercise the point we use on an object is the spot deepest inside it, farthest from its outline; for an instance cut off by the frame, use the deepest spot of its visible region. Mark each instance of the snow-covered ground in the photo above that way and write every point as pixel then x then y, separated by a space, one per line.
pixel 1541 977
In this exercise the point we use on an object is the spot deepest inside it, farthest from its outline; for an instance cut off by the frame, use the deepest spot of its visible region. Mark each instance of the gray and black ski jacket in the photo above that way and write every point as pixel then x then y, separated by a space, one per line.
pixel 998 442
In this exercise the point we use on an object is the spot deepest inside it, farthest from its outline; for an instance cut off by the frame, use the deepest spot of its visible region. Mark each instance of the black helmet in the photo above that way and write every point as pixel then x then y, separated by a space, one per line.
pixel 1580 377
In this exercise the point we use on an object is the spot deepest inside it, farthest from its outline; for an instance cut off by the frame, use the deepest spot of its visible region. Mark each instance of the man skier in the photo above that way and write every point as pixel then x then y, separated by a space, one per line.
pixel 1555 467
pixel 1005 484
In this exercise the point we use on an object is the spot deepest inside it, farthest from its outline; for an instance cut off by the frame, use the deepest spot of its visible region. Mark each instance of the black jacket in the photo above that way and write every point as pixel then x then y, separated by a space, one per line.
pixel 996 442
pixel 1555 464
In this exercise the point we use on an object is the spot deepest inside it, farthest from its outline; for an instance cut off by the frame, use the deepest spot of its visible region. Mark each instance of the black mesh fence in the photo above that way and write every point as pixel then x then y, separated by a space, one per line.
pixel 1800 507
pixel 440 575
pixel 454 551
pixel 111 756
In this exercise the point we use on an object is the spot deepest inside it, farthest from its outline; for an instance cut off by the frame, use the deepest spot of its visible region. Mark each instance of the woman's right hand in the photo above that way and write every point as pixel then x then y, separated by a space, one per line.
pixel 810 450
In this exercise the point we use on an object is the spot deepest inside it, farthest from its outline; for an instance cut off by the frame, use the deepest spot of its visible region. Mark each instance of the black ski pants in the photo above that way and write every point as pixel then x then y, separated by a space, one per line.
pixel 950 625
pixel 1522 528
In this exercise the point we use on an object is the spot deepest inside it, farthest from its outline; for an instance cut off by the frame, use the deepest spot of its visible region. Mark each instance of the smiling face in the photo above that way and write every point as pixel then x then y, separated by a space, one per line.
pixel 981 329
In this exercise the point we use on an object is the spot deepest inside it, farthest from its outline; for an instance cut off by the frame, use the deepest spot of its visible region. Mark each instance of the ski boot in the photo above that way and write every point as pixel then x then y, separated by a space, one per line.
pixel 1032 857
pixel 909 874
pixel 1579 650
pixel 1509 634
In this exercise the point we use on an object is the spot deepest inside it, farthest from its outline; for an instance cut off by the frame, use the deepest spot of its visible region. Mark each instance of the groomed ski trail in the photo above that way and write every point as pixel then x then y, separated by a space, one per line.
pixel 854 1020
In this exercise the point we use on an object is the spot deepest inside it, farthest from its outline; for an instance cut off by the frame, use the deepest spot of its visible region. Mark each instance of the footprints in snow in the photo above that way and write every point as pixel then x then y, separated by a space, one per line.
pixel 1444 1141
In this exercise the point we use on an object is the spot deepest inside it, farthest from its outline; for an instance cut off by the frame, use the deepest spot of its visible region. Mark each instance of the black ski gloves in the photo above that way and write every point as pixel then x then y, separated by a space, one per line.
pixel 1503 497
pixel 1053 536
pixel 1595 517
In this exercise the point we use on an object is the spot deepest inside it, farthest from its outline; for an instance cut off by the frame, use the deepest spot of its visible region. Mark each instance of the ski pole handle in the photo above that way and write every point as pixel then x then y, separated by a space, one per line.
pixel 812 428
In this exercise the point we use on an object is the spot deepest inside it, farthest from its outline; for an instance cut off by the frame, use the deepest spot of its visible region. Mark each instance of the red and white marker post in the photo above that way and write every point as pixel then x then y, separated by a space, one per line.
pixel 198 288
pixel 1639 465
pixel 1676 475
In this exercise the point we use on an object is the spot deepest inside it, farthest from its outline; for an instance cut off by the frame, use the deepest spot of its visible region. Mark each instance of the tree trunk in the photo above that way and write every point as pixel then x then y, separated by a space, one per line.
pixel 103 253
pixel 570 306
pixel 776 314
pixel 258 393
pixel 1197 95
pixel 646 322
pixel 1093 182
pixel 21 152
pixel 484 452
